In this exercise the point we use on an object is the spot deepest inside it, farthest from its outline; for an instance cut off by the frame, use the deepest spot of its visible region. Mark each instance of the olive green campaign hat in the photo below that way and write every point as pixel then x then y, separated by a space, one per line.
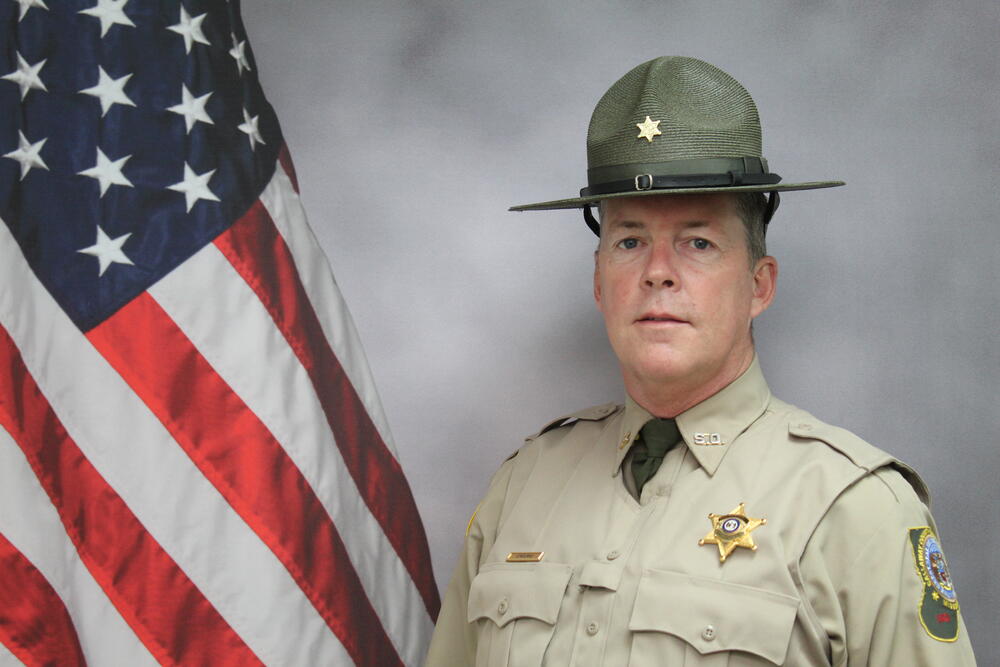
pixel 674 125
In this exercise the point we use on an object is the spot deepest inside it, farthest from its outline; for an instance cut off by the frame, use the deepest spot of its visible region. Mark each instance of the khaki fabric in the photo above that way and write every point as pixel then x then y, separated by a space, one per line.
pixel 623 580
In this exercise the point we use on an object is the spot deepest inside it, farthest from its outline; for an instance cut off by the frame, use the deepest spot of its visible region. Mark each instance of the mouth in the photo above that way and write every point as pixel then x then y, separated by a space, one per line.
pixel 660 318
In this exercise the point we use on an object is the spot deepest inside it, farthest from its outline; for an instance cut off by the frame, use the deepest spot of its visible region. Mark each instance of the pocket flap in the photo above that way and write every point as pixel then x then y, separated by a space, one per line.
pixel 713 615
pixel 503 592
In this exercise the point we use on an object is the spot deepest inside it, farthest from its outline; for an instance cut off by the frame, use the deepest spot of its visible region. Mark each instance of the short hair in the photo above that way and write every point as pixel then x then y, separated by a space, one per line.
pixel 750 206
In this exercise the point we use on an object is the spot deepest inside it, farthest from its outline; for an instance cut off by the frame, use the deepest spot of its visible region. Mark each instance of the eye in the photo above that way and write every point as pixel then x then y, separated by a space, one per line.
pixel 629 243
pixel 701 244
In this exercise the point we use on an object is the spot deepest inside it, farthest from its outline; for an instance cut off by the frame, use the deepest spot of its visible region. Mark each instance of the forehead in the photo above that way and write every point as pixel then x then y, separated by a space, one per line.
pixel 712 209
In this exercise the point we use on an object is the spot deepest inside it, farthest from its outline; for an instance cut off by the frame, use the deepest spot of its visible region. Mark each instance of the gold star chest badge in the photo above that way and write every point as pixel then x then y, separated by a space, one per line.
pixel 732 530
pixel 648 129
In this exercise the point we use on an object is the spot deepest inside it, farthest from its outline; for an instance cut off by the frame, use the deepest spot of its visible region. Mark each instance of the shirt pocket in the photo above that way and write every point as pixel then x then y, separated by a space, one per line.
pixel 708 622
pixel 516 606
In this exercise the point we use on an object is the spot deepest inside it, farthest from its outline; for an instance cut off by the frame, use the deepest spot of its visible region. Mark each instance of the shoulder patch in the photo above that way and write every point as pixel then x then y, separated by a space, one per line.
pixel 596 413
pixel 938 610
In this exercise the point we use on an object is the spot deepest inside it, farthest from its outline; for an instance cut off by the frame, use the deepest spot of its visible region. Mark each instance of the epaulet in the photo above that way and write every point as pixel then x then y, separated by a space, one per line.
pixel 596 413
pixel 861 453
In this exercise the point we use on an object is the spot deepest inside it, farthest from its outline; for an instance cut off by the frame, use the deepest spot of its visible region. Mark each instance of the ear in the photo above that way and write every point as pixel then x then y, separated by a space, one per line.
pixel 765 282
pixel 597 281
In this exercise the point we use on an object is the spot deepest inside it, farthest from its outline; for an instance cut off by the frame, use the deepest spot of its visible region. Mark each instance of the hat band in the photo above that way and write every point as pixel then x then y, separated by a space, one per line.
pixel 711 172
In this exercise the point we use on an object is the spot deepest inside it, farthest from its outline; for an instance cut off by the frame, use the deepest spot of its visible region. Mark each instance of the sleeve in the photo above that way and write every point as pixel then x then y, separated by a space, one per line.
pixel 454 641
pixel 875 575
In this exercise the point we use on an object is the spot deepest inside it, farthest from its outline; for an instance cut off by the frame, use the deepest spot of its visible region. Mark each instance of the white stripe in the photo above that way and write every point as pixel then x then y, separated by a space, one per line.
pixel 281 394
pixel 135 454
pixel 30 522
pixel 7 659
pixel 285 208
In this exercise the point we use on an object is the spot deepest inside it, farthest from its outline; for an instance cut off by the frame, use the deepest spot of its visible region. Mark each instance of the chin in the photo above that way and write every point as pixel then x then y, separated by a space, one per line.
pixel 663 368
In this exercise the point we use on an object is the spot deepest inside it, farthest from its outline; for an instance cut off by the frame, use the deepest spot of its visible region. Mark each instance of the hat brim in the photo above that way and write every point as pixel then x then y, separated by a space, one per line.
pixel 580 202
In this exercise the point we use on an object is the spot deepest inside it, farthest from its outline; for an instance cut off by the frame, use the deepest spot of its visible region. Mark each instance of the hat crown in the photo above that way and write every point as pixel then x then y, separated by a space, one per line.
pixel 703 113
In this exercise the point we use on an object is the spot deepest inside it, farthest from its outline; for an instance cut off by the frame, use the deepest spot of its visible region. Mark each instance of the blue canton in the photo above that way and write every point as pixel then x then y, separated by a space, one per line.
pixel 132 133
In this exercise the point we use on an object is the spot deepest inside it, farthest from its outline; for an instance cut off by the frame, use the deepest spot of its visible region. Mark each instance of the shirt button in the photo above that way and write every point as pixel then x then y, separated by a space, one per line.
pixel 708 634
pixel 613 554
pixel 592 628
pixel 502 607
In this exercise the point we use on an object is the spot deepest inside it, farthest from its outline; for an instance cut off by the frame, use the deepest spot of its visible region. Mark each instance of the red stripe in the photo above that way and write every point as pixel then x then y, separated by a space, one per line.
pixel 258 252
pixel 34 623
pixel 163 607
pixel 285 158
pixel 238 455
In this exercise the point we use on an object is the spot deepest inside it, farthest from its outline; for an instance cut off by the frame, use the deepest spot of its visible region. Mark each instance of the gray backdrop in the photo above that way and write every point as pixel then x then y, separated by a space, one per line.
pixel 415 125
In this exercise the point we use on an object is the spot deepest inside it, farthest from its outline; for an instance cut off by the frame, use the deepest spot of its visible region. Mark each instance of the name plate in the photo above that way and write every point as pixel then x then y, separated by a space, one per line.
pixel 525 556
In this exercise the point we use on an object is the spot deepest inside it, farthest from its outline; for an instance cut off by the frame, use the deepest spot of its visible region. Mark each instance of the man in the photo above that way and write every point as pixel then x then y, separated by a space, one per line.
pixel 705 521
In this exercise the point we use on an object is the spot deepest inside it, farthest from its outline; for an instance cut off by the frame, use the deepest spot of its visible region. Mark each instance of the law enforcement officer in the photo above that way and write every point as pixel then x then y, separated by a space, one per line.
pixel 704 521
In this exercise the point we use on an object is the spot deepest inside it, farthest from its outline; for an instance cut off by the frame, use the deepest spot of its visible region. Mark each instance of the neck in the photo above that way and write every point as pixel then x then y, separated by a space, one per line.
pixel 667 398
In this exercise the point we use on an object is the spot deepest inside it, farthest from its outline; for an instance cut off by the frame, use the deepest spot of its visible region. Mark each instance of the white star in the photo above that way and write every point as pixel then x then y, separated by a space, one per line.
pixel 109 91
pixel 27 154
pixel 108 172
pixel 238 52
pixel 190 29
pixel 192 108
pixel 107 250
pixel 110 12
pixel 250 127
pixel 194 186
pixel 26 76
pixel 28 4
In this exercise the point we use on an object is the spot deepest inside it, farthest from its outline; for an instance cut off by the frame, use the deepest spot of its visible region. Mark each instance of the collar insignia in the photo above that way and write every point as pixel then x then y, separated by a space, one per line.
pixel 731 530
pixel 648 129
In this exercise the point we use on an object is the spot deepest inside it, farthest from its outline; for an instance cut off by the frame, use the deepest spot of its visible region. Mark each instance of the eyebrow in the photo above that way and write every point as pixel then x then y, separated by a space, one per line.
pixel 636 224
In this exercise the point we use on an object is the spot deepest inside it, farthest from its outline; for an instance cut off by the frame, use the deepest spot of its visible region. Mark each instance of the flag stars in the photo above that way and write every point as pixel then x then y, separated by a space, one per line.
pixel 108 250
pixel 249 126
pixel 26 76
pixel 190 29
pixel 192 108
pixel 28 4
pixel 108 172
pixel 109 12
pixel 109 91
pixel 28 154
pixel 194 186
pixel 238 52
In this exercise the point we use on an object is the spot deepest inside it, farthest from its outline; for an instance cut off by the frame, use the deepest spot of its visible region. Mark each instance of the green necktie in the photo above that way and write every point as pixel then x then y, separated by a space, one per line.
pixel 655 438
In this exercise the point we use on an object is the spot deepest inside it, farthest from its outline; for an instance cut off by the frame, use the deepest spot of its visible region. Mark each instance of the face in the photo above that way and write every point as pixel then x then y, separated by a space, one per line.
pixel 675 286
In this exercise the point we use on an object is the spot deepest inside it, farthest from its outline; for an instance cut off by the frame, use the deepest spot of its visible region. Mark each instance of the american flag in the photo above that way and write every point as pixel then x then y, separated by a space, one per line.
pixel 194 466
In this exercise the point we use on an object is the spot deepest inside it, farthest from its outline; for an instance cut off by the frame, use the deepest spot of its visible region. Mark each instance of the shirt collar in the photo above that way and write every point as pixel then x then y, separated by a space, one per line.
pixel 710 427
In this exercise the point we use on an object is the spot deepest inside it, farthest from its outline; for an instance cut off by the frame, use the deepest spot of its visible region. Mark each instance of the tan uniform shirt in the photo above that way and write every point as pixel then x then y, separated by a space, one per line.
pixel 846 569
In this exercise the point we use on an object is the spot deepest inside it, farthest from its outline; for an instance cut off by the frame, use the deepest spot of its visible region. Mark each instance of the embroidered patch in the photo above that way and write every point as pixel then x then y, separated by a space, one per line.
pixel 939 603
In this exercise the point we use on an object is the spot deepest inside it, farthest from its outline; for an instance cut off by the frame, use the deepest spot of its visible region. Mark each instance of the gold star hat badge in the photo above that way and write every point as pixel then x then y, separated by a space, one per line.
pixel 731 530
pixel 648 129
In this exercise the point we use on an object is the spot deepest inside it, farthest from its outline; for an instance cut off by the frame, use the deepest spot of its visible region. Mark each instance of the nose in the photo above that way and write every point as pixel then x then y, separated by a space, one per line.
pixel 660 269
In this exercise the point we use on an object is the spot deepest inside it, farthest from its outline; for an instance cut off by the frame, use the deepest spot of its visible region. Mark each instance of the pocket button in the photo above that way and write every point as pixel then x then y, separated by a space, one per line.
pixel 708 634
pixel 502 607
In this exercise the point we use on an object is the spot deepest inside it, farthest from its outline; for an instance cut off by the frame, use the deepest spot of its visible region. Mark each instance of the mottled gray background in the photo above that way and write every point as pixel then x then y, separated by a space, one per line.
pixel 415 125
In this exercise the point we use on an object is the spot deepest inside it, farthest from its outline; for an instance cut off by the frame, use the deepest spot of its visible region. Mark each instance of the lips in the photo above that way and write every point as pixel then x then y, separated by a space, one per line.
pixel 660 317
